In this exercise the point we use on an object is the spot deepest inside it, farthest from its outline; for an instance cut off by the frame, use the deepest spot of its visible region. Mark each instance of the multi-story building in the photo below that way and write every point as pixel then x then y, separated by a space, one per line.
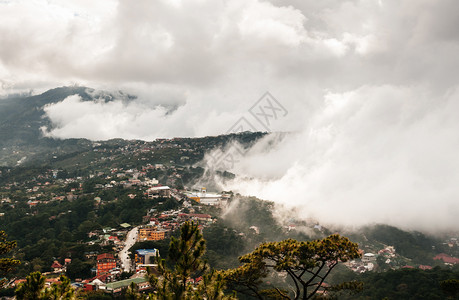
pixel 205 198
pixel 151 234
pixel 105 263
pixel 145 256
pixel 159 191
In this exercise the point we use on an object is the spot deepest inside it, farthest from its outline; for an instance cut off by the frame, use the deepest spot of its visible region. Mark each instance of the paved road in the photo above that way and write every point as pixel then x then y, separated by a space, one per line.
pixel 123 255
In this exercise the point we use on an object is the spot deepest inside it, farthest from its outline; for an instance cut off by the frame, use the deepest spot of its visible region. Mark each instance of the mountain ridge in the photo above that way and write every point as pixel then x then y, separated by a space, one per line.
pixel 21 118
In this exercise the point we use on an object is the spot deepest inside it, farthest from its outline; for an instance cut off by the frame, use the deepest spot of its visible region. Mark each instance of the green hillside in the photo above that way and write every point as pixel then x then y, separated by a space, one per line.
pixel 21 119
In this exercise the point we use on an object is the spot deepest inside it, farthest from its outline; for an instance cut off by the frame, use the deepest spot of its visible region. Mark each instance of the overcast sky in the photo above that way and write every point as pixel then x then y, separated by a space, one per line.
pixel 369 87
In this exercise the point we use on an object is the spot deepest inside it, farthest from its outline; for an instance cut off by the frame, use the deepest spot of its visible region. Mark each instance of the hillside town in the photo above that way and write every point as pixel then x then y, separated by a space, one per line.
pixel 156 225
pixel 108 221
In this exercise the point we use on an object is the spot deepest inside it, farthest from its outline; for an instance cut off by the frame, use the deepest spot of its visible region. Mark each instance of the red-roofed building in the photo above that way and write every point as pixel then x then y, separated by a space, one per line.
pixel 56 266
pixel 197 280
pixel 425 267
pixel 102 278
pixel 114 239
pixel 446 258
pixel 89 287
pixel 18 281
pixel 202 217
pixel 407 267
pixel 50 281
pixel 105 262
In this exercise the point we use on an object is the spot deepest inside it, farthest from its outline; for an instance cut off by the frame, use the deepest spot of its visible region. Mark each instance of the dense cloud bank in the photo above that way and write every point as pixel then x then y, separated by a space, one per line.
pixel 370 87
pixel 389 160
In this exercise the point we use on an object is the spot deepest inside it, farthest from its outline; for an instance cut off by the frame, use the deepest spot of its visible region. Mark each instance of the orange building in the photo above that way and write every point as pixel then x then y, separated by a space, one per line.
pixel 151 234
pixel 105 262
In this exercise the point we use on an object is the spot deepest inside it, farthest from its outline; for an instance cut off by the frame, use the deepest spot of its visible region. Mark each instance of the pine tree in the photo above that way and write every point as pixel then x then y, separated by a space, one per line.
pixel 60 291
pixel 306 264
pixel 6 264
pixel 33 288
pixel 185 255
pixel 132 293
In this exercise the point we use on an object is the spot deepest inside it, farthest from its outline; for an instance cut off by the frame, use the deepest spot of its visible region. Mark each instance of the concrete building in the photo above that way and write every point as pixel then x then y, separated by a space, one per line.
pixel 151 182
pixel 205 198
pixel 105 262
pixel 145 256
pixel 159 191
pixel 151 234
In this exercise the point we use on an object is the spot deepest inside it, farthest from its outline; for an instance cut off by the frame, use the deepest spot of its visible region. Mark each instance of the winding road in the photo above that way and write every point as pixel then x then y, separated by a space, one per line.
pixel 123 255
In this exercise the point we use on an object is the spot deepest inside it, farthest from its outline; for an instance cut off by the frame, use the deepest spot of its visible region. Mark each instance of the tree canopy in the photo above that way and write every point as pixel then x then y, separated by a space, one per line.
pixel 185 255
pixel 6 264
pixel 34 289
pixel 306 264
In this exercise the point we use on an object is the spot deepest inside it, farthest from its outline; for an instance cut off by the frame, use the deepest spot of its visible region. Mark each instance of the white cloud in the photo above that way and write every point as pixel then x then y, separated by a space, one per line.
pixel 370 87
pixel 264 22
pixel 377 154
pixel 336 47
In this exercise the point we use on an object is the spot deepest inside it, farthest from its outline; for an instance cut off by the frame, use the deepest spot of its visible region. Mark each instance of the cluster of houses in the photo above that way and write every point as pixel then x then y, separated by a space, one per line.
pixel 58 185
pixel 389 257
pixel 108 270
pixel 43 191
pixel 106 273
pixel 368 260
pixel 367 263
pixel 160 225
pixel 447 259
pixel 109 236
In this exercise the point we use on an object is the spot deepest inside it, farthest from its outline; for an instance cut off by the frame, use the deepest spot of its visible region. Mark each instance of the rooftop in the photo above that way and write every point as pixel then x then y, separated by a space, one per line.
pixel 105 256
pixel 125 283
pixel 156 188
pixel 146 251
pixel 203 195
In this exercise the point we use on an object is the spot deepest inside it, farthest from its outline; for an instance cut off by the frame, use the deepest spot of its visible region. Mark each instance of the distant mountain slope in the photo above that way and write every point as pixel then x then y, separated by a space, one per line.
pixel 21 119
